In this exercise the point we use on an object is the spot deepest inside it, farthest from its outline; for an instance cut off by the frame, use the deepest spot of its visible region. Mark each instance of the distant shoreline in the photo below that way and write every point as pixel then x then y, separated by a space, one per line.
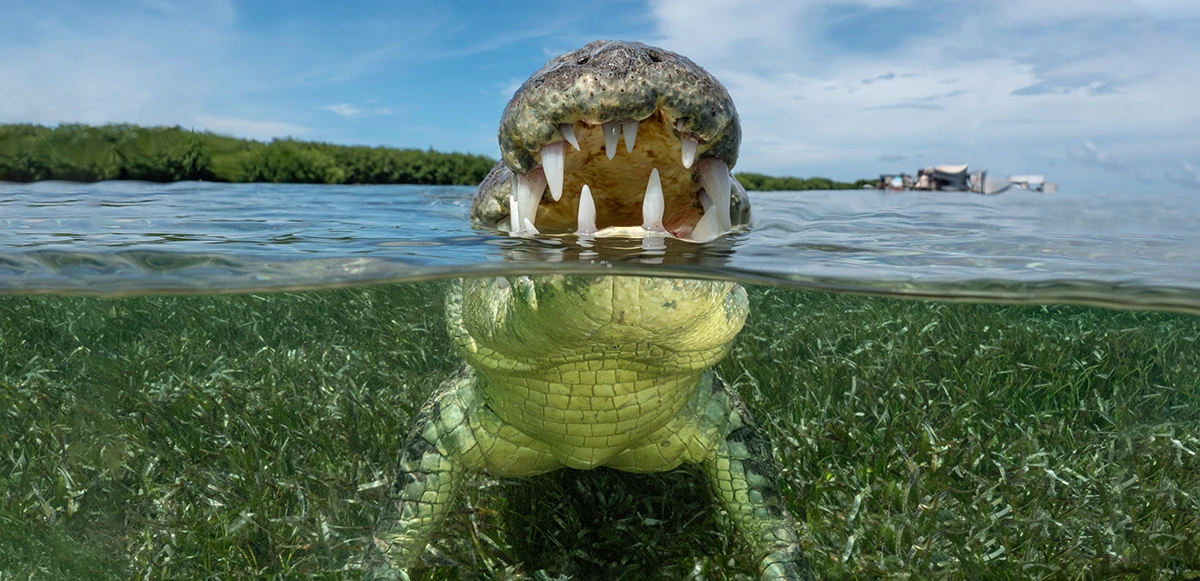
pixel 87 153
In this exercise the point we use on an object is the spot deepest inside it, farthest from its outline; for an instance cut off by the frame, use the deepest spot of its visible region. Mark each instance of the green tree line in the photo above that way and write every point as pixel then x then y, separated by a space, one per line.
pixel 86 153
pixel 83 153
pixel 760 182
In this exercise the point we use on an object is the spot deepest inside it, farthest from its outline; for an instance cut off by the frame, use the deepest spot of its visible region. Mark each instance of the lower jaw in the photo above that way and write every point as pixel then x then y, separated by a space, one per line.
pixel 592 196
pixel 578 214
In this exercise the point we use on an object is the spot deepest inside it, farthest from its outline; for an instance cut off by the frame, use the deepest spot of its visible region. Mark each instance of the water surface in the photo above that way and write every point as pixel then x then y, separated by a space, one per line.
pixel 131 237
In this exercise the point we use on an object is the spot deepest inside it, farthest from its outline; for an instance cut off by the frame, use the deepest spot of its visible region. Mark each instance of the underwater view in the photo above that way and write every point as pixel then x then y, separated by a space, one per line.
pixel 214 381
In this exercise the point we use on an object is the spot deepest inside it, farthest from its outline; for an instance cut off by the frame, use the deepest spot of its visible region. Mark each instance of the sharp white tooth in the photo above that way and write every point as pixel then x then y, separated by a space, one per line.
pixel 587 213
pixel 612 130
pixel 514 215
pixel 688 145
pixel 568 132
pixel 653 204
pixel 679 125
pixel 629 130
pixel 529 229
pixel 655 245
pixel 705 200
pixel 552 164
pixel 714 178
pixel 707 228
pixel 529 194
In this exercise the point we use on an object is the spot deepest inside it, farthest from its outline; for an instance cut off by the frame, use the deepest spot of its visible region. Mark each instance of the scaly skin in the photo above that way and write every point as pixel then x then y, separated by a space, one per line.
pixel 671 96
pixel 588 371
pixel 581 372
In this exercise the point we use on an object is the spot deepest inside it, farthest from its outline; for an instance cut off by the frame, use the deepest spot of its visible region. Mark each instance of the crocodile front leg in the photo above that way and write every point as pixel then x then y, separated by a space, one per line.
pixel 744 478
pixel 716 431
pixel 429 472
pixel 454 435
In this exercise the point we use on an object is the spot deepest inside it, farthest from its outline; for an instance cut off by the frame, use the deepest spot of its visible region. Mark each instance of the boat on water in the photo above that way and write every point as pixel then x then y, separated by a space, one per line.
pixel 959 178
pixel 1031 182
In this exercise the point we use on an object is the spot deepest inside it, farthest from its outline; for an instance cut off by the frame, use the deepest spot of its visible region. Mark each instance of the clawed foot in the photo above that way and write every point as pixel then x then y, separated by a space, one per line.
pixel 786 565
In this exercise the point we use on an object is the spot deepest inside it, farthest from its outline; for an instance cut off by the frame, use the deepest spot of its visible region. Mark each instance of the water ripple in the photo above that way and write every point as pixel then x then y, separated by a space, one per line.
pixel 133 237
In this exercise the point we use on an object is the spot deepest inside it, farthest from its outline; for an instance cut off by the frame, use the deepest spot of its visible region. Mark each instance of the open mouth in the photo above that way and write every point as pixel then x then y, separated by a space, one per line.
pixel 623 177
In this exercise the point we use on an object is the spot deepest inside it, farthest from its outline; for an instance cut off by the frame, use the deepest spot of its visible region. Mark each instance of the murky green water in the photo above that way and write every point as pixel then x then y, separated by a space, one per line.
pixel 253 434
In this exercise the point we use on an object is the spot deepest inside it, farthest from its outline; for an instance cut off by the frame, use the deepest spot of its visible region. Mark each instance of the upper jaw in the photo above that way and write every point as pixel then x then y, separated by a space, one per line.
pixel 618 81
pixel 564 128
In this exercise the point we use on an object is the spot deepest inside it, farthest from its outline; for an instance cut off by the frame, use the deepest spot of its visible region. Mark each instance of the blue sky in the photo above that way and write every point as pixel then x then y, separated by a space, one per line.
pixel 1097 95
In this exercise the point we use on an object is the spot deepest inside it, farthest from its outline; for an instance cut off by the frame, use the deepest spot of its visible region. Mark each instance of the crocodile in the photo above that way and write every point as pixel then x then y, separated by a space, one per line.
pixel 579 372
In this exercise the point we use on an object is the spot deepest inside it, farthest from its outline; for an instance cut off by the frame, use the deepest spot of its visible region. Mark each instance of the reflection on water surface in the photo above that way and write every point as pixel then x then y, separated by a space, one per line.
pixel 129 237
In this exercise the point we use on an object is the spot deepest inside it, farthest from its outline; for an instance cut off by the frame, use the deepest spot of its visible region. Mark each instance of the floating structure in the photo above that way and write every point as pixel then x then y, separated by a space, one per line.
pixel 1033 183
pixel 952 178
pixel 958 178
pixel 895 182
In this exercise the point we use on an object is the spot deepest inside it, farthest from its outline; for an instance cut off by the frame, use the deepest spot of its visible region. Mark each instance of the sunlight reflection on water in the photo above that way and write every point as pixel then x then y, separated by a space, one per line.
pixel 131 237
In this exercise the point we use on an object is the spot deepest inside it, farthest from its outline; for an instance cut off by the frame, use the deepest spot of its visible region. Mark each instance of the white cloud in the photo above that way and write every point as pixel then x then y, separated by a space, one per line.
pixel 151 62
pixel 349 111
pixel 1186 175
pixel 215 10
pixel 1170 8
pixel 344 109
pixel 1051 12
pixel 260 130
pixel 1005 84
pixel 711 29
pixel 145 68
pixel 1091 155
pixel 773 30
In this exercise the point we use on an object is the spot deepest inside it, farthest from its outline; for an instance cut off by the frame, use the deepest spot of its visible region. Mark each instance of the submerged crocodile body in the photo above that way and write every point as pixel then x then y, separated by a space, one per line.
pixel 589 371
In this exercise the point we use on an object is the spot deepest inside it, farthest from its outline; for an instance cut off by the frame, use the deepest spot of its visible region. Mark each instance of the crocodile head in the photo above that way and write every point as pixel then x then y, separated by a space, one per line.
pixel 617 138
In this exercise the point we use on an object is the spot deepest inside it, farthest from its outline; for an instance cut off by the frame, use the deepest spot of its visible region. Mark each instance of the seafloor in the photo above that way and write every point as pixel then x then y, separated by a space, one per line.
pixel 252 435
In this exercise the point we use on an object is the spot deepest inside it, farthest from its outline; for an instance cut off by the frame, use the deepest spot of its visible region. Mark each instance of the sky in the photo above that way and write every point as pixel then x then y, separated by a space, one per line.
pixel 1102 95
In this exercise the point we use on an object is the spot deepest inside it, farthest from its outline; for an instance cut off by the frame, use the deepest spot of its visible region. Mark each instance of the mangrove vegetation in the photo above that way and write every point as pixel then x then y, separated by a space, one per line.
pixel 763 183
pixel 83 153
pixel 87 153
